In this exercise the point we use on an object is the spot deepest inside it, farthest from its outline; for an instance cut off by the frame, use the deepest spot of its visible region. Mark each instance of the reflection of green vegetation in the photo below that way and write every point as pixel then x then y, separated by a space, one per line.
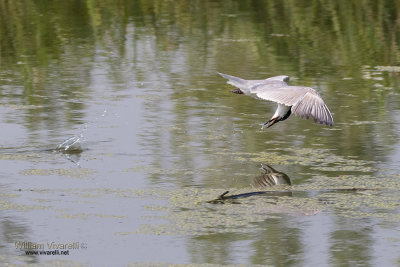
pixel 317 35
pixel 49 44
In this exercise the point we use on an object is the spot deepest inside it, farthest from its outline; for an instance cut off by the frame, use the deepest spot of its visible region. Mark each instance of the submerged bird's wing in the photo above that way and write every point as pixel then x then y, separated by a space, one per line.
pixel 305 101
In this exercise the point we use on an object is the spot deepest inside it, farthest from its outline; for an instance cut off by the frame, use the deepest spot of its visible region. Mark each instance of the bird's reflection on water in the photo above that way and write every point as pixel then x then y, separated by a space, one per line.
pixel 271 177
pixel 268 178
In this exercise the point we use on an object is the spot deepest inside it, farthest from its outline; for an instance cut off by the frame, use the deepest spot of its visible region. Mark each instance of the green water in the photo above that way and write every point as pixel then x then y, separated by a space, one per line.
pixel 159 134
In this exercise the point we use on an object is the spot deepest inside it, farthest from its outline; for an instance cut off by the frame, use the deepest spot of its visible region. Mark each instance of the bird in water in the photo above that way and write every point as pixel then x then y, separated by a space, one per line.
pixel 300 100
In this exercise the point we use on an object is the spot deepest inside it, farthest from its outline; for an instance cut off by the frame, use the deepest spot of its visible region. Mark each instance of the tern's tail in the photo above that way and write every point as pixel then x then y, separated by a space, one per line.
pixel 235 81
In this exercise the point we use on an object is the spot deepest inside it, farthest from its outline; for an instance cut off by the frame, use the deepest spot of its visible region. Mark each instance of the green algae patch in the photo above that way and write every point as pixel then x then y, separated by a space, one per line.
pixel 76 172
pixel 25 156
pixel 6 205
pixel 374 182
pixel 85 216
pixel 382 207
pixel 243 218
pixel 188 212
pixel 315 158
pixel 19 106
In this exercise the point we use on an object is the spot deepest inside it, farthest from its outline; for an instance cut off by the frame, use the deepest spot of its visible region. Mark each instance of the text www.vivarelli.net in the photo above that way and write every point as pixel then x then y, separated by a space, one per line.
pixel 47 252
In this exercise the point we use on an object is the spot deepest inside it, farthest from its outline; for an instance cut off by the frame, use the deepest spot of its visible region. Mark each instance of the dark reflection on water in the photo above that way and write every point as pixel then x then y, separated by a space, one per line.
pixel 270 177
pixel 143 76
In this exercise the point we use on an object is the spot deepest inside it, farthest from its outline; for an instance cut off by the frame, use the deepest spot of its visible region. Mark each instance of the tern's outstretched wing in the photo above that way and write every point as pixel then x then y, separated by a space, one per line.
pixel 305 101
pixel 248 86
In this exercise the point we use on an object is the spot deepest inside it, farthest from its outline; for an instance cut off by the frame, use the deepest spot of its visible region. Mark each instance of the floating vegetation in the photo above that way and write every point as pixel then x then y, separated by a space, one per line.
pixel 18 106
pixel 33 156
pixel 187 213
pixel 6 205
pixel 85 216
pixel 317 159
pixel 191 215
pixel 191 211
pixel 76 172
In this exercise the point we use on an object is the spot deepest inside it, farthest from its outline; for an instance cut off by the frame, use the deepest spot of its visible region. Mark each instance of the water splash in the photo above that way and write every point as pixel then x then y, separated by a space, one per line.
pixel 73 145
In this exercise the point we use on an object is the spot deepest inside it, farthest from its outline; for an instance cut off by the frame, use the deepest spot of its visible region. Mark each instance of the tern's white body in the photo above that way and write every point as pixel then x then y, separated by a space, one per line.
pixel 302 101
pixel 281 111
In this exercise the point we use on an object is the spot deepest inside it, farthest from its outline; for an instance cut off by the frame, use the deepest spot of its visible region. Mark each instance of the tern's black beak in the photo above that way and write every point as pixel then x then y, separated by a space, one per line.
pixel 270 122
pixel 237 91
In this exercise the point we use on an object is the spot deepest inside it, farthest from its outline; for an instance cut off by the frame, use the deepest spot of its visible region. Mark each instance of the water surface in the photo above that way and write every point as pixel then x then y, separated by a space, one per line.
pixel 158 134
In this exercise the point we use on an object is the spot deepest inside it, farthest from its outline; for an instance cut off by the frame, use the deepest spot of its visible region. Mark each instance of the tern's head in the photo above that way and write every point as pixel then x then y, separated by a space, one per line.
pixel 281 78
